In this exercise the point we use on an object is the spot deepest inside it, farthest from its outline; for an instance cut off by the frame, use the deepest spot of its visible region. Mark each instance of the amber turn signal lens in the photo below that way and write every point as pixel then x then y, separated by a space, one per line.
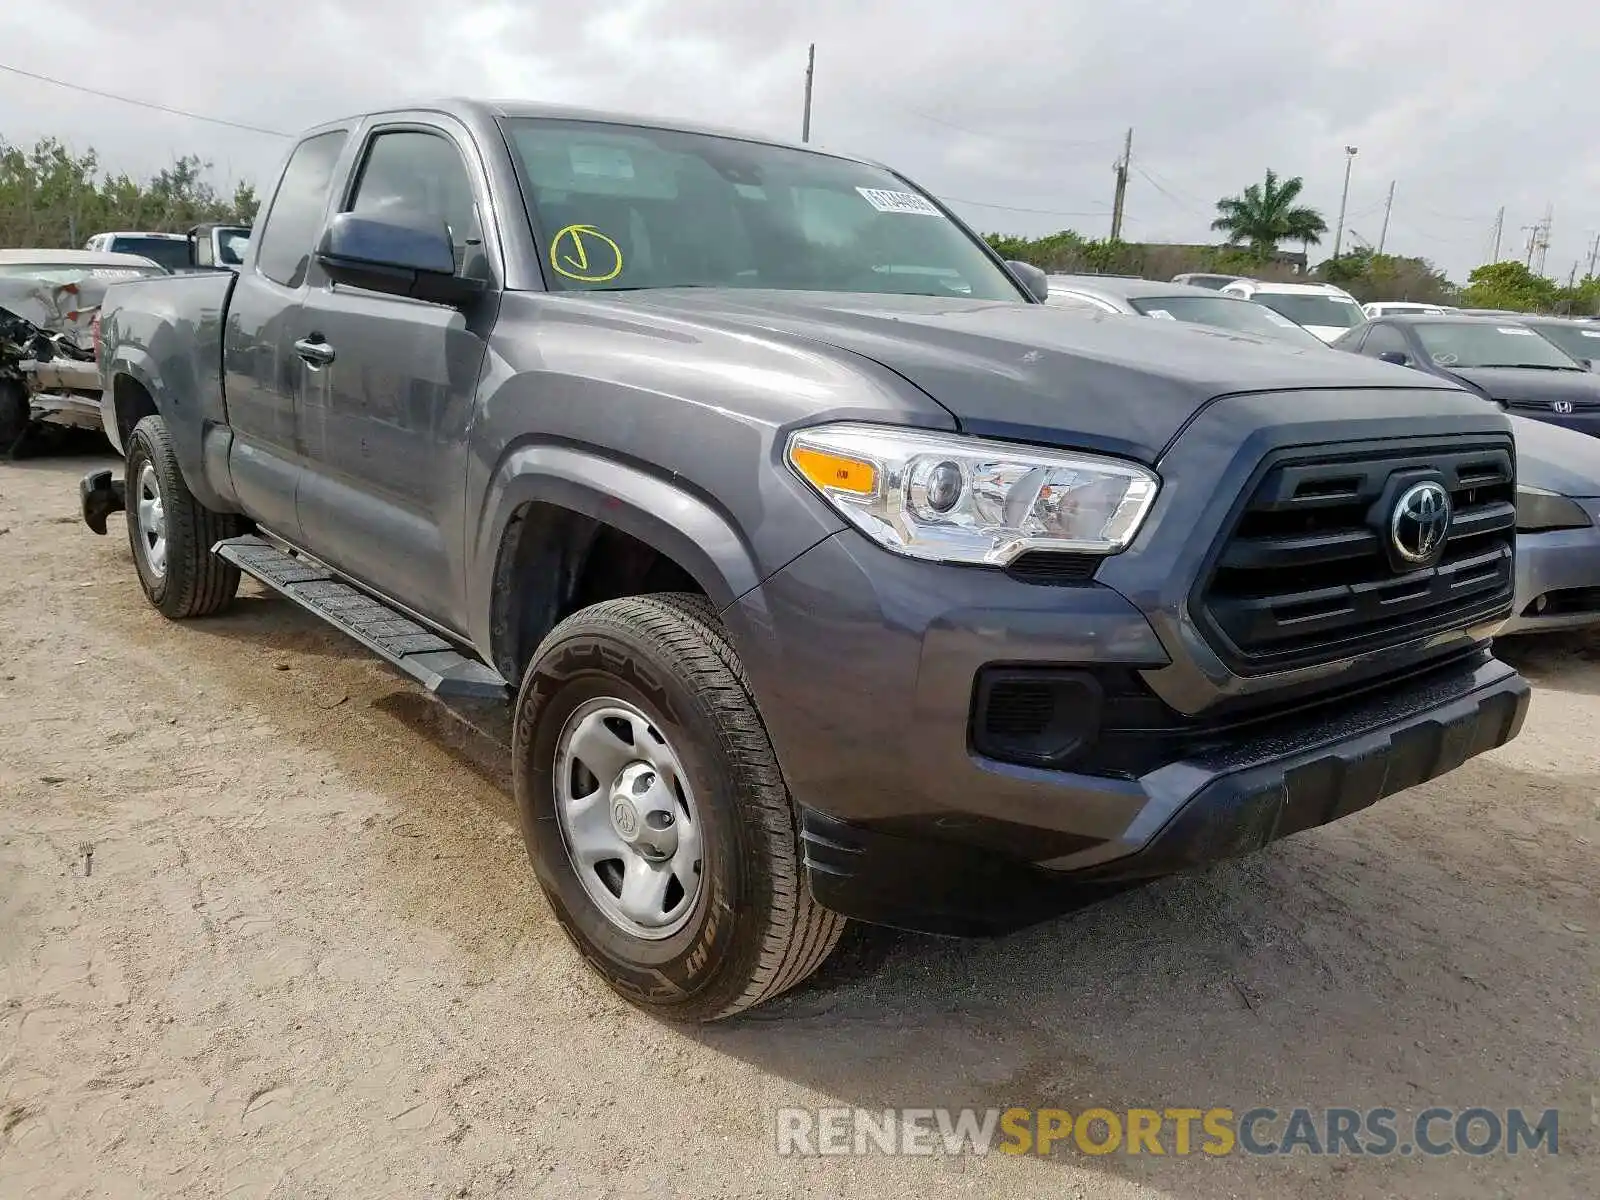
pixel 835 471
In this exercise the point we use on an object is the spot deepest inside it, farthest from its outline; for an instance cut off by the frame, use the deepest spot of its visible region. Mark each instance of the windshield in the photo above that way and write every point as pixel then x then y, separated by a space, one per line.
pixel 1223 313
pixel 1307 309
pixel 621 207
pixel 171 253
pixel 1580 343
pixel 1474 345
pixel 68 272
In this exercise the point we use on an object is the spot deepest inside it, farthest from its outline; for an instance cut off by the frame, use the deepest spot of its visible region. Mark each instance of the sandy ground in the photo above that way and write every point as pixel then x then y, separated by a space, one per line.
pixel 309 959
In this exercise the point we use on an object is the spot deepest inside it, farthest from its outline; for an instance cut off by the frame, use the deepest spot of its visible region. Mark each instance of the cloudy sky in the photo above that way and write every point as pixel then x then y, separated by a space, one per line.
pixel 1012 109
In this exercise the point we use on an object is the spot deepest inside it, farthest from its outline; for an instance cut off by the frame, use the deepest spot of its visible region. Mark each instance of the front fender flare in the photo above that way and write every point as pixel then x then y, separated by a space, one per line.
pixel 655 510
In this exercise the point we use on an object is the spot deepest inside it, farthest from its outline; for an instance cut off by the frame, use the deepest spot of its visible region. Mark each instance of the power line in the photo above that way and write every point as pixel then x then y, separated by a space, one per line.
pixel 150 104
pixel 1178 200
pixel 1043 212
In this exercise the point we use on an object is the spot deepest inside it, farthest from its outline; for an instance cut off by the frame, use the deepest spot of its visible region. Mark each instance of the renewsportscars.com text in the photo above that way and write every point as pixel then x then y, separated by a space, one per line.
pixel 1262 1131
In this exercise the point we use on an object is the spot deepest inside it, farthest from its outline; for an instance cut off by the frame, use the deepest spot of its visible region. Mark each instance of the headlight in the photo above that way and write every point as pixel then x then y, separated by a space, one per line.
pixel 1539 510
pixel 958 499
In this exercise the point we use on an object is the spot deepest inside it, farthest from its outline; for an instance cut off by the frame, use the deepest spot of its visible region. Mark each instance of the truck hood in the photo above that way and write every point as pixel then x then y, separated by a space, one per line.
pixel 1522 385
pixel 1032 372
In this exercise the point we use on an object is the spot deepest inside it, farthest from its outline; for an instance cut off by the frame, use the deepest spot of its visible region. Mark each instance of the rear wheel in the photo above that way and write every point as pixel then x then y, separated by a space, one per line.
pixel 655 814
pixel 171 533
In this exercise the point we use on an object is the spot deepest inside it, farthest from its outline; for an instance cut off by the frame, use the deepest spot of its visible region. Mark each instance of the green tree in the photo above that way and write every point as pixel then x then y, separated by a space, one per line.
pixel 50 196
pixel 1509 285
pixel 1266 214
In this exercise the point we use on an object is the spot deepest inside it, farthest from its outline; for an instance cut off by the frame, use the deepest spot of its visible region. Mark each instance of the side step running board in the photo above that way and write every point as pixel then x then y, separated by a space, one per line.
pixel 396 639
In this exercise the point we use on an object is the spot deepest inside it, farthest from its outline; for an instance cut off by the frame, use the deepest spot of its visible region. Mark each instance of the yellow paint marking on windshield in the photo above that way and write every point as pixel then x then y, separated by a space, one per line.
pixel 570 250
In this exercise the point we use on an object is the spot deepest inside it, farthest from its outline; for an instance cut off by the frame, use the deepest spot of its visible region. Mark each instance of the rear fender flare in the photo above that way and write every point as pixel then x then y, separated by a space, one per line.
pixel 186 425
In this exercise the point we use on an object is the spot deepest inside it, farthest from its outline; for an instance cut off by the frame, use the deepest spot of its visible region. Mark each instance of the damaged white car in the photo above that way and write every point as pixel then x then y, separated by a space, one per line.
pixel 49 317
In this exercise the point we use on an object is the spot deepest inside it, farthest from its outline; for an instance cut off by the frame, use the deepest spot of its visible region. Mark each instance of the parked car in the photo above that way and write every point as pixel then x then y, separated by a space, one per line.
pixel 1578 336
pixel 49 302
pixel 1201 279
pixel 833 573
pixel 1325 310
pixel 1175 302
pixel 1398 308
pixel 171 250
pixel 1558 529
pixel 1500 360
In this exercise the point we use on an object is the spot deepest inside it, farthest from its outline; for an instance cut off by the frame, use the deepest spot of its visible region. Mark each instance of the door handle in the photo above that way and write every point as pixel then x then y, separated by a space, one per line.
pixel 314 350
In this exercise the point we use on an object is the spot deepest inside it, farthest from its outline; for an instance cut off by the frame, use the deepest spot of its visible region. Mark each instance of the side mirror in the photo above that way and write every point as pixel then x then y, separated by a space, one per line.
pixel 1397 357
pixel 1032 278
pixel 404 255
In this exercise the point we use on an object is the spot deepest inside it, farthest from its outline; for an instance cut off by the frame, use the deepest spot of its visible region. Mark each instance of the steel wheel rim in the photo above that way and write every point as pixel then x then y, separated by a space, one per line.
pixel 628 819
pixel 151 519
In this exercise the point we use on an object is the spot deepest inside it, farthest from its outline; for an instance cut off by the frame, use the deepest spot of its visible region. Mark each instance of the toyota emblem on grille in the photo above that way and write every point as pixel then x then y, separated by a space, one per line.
pixel 1561 406
pixel 1420 521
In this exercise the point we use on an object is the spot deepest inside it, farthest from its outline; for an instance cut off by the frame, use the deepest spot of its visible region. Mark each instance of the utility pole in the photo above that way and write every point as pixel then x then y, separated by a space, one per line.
pixel 1533 237
pixel 1544 235
pixel 1338 233
pixel 811 70
pixel 1594 254
pixel 1383 234
pixel 1499 227
pixel 1121 169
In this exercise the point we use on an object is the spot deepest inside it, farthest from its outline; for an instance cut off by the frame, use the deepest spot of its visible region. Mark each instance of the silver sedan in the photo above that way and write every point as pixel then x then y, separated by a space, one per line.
pixel 1558 529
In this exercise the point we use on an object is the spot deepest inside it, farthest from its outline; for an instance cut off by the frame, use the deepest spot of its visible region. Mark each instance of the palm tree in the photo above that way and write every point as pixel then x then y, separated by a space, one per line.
pixel 1266 215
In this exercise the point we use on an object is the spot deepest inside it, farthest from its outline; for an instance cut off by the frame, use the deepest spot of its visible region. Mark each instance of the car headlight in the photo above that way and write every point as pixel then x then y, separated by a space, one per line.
pixel 966 500
pixel 1539 510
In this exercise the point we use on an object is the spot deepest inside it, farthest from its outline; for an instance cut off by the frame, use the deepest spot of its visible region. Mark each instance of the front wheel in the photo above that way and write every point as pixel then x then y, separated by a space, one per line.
pixel 171 533
pixel 655 814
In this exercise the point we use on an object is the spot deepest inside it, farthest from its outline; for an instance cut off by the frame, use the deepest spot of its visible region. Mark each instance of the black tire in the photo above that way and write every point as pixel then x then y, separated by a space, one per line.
pixel 194 582
pixel 15 417
pixel 755 930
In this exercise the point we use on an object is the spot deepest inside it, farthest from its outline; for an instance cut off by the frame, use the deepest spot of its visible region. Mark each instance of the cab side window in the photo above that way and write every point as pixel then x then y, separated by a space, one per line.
pixel 295 217
pixel 411 173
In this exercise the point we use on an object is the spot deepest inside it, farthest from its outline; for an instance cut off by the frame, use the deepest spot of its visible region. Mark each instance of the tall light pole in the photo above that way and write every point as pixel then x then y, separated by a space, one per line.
pixel 1338 233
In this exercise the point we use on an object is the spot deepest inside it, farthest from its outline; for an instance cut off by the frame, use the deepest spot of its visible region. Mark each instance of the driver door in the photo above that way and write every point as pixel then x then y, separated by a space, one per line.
pixel 388 385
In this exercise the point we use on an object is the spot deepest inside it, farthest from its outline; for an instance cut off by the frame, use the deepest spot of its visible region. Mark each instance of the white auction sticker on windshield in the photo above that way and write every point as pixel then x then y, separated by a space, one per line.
pixel 1594 333
pixel 1161 314
pixel 1514 332
pixel 602 162
pixel 888 201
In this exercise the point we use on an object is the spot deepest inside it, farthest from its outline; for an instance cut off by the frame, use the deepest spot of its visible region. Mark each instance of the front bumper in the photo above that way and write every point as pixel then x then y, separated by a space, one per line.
pixel 864 665
pixel 1558 578
pixel 1190 812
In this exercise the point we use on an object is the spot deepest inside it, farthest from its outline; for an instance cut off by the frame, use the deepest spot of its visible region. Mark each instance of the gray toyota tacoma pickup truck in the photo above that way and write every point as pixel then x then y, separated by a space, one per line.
pixel 831 573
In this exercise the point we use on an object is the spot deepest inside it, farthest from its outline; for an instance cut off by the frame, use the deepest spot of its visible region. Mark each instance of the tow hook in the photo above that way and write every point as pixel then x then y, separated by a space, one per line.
pixel 101 495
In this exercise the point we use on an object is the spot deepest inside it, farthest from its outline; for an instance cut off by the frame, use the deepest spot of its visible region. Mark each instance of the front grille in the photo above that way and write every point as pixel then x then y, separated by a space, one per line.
pixel 1306 574
pixel 1548 406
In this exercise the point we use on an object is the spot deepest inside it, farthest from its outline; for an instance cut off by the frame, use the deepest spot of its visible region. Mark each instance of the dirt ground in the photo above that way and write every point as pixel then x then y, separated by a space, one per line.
pixel 309 959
